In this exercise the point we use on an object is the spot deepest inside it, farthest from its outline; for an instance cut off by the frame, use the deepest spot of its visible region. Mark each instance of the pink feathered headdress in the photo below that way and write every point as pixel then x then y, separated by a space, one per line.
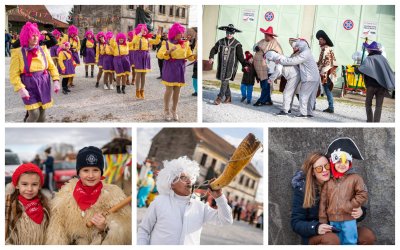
pixel 109 35
pixel 130 34
pixel 175 29
pixel 27 31
pixel 89 32
pixel 121 36
pixel 139 28
pixel 72 30
pixel 99 35
pixel 56 33
pixel 62 47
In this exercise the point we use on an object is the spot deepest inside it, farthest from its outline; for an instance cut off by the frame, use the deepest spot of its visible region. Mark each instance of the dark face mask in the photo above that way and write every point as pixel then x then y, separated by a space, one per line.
pixel 230 33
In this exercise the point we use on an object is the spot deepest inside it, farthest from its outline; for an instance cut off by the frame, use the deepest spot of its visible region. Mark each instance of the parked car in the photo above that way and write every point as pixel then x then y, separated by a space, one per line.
pixel 12 161
pixel 63 172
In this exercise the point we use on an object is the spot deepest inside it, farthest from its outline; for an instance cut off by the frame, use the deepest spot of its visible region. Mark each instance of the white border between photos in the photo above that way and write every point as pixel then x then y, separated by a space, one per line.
pixel 134 126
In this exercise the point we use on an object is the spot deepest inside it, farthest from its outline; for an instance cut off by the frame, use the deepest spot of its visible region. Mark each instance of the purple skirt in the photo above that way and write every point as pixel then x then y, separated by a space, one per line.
pixel 69 68
pixel 132 57
pixel 75 55
pixel 39 87
pixel 90 57
pixel 108 64
pixel 142 61
pixel 173 72
pixel 53 51
pixel 100 62
pixel 122 65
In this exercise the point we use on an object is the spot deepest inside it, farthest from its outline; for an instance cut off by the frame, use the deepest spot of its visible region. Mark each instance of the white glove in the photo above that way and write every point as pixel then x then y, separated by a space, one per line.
pixel 23 93
pixel 56 86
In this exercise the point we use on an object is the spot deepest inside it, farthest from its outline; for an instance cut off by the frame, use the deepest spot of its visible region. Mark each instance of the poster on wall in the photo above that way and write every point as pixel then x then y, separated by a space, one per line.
pixel 369 30
pixel 249 15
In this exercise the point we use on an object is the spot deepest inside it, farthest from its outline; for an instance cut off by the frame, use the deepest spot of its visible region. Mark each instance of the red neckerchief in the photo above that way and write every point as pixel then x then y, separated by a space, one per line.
pixel 75 38
pixel 32 53
pixel 87 196
pixel 124 43
pixel 148 36
pixel 33 208
pixel 335 173
pixel 91 40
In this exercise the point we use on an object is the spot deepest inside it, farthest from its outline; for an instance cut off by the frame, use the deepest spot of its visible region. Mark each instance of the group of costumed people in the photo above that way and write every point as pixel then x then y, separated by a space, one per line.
pixel 300 74
pixel 77 213
pixel 39 57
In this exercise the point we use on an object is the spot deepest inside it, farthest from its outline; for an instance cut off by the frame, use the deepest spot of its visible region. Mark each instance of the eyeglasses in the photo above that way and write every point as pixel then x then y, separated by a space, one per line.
pixel 320 168
pixel 182 178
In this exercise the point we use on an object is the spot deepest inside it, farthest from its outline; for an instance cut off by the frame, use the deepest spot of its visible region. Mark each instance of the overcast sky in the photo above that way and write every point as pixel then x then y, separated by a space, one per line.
pixel 61 12
pixel 233 135
pixel 26 141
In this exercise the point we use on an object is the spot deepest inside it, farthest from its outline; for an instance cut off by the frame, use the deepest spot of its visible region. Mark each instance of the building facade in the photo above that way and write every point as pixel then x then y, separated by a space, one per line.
pixel 122 18
pixel 346 25
pixel 211 152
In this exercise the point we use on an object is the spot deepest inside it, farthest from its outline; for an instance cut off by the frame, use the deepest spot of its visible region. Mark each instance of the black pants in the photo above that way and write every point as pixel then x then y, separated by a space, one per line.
pixel 160 65
pixel 224 90
pixel 379 94
pixel 65 83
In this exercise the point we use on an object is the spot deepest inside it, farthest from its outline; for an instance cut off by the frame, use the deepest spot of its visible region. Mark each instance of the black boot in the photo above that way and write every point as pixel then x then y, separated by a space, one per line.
pixel 97 84
pixel 91 74
pixel 119 89
pixel 123 89
pixel 87 74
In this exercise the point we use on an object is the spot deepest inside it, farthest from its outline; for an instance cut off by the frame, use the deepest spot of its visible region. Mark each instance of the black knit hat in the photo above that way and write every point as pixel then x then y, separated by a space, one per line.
pixel 89 157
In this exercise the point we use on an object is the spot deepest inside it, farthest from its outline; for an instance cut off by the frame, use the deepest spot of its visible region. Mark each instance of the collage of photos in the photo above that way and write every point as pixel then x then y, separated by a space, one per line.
pixel 285 137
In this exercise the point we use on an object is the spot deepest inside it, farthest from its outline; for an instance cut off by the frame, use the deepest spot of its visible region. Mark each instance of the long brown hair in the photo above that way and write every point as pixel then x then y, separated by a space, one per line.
pixel 310 182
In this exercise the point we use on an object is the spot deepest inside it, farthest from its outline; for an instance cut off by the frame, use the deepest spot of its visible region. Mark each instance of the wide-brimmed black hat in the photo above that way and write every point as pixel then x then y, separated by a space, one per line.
pixel 344 144
pixel 229 28
pixel 322 34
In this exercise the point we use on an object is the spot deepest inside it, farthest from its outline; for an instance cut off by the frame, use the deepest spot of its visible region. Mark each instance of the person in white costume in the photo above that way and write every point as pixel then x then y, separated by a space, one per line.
pixel 175 217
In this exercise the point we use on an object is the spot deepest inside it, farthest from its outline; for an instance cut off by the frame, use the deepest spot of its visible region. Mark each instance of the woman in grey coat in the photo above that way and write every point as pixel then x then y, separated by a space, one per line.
pixel 309 75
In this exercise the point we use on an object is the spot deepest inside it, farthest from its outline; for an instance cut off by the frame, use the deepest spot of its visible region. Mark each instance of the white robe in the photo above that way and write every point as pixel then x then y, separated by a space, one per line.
pixel 164 223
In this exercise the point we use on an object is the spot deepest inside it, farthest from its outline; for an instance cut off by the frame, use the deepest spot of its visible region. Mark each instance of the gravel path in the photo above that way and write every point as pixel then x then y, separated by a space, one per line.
pixel 89 104
pixel 345 110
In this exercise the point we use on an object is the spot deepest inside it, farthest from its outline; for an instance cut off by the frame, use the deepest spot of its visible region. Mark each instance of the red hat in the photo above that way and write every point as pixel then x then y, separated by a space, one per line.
pixel 27 167
pixel 248 55
pixel 268 31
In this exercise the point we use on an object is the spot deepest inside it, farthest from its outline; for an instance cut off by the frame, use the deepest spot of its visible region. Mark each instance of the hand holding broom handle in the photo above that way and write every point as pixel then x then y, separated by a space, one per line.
pixel 114 209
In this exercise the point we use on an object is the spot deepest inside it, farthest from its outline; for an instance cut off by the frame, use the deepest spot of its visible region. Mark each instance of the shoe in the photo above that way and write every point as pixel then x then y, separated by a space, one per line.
pixel 328 110
pixel 289 112
pixel 68 90
pixel 282 113
pixel 258 104
pixel 97 84
pixel 175 116
pixel 194 94
pixel 87 75
pixel 137 94
pixel 228 100
pixel 65 92
pixel 302 116
pixel 142 93
pixel 123 89
pixel 159 77
pixel 111 86
pixel 248 102
pixel 218 101
pixel 243 98
pixel 105 86
pixel 310 116
pixel 118 89
pixel 91 74
pixel 167 116
pixel 268 103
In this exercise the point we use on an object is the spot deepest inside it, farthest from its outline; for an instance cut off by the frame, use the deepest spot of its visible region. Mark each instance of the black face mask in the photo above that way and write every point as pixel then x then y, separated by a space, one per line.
pixel 230 33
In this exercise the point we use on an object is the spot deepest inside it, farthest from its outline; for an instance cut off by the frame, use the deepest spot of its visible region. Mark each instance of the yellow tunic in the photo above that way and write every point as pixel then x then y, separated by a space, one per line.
pixel 63 56
pixel 100 50
pixel 178 53
pixel 122 51
pixel 17 66
pixel 74 44
pixel 145 42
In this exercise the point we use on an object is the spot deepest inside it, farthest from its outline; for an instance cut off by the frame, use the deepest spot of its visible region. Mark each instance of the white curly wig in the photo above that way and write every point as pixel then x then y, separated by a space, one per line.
pixel 173 169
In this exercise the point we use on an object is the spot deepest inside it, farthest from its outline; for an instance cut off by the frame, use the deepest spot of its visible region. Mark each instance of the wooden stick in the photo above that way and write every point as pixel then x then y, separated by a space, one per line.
pixel 114 209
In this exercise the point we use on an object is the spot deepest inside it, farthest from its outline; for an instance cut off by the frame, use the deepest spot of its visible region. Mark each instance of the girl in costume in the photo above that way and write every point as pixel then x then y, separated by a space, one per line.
pixel 175 51
pixel 88 51
pixel 100 51
pixel 122 66
pixel 66 66
pixel 131 56
pixel 30 70
pixel 145 188
pixel 53 50
pixel 84 200
pixel 142 42
pixel 27 215
pixel 108 61
pixel 75 43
